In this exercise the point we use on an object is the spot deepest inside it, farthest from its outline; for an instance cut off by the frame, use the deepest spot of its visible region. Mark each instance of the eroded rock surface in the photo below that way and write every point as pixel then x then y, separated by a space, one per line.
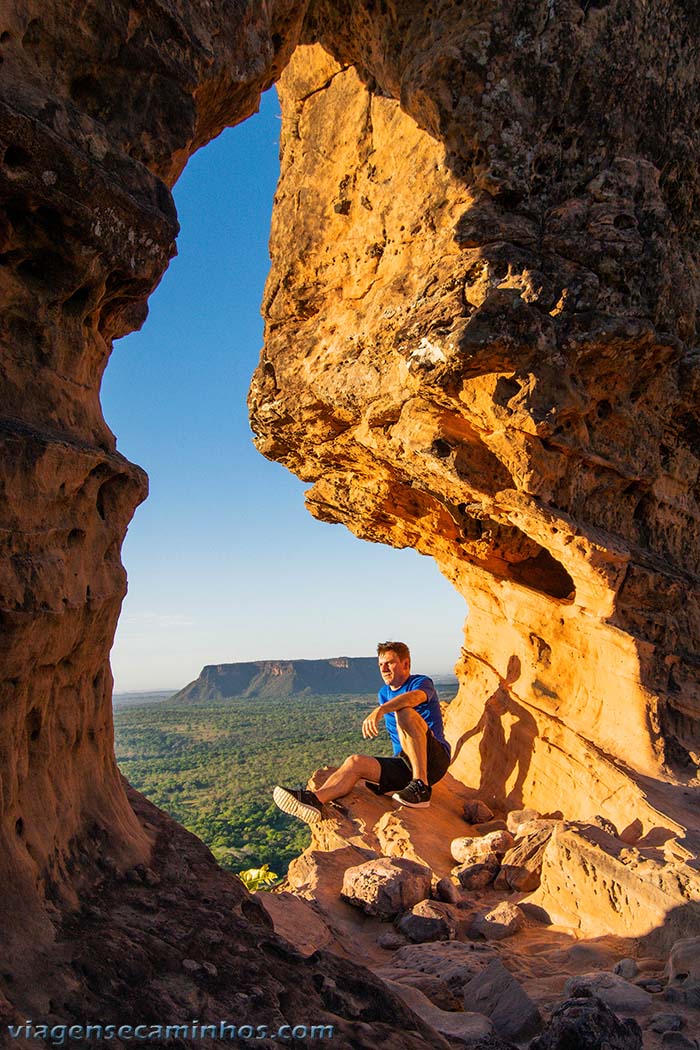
pixel 481 331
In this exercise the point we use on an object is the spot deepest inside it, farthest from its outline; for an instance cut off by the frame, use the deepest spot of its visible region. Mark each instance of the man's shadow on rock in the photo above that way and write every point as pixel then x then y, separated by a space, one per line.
pixel 501 756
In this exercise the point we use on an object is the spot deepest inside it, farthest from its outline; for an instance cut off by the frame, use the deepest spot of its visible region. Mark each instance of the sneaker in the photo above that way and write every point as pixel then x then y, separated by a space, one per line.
pixel 416 794
pixel 301 804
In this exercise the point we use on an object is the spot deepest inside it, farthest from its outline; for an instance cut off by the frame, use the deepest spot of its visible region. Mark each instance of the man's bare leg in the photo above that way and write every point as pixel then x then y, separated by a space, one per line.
pixel 354 768
pixel 413 734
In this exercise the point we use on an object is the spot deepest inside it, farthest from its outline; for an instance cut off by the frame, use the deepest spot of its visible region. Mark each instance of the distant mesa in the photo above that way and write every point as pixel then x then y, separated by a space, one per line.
pixel 276 678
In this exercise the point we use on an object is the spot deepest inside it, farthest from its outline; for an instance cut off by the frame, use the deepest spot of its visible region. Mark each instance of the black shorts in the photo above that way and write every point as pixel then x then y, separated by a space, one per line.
pixel 397 772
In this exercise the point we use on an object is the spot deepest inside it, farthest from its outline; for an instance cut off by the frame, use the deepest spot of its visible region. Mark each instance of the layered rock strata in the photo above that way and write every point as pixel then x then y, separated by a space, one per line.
pixel 480 334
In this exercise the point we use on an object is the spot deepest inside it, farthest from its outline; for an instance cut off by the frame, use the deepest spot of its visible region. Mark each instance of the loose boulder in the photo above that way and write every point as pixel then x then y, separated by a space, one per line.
pixel 496 993
pixel 588 1024
pixel 386 886
pixel 477 812
pixel 683 970
pixel 500 922
pixel 468 850
pixel 478 876
pixel 427 921
pixel 615 991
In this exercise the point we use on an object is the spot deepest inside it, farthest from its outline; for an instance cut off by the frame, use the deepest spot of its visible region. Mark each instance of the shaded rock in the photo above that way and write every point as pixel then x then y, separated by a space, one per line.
pixel 386 886
pixel 478 876
pixel 626 968
pixel 651 984
pixel 491 825
pixel 500 922
pixel 588 1024
pixel 454 962
pixel 679 1041
pixel 496 993
pixel 427 921
pixel 683 972
pixel 666 1023
pixel 297 920
pixel 438 991
pixel 614 990
pixel 449 891
pixel 477 812
pixel 461 1029
pixel 391 940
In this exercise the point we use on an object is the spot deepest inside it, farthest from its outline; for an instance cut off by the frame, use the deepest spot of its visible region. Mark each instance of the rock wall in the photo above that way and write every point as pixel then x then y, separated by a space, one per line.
pixel 101 105
pixel 480 324
pixel 479 343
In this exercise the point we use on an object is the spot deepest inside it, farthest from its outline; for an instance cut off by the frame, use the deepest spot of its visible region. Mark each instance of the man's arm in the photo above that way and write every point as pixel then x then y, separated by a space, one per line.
pixel 370 726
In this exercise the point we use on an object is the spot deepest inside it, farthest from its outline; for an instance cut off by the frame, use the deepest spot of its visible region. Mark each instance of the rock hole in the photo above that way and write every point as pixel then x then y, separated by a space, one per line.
pixel 75 536
pixel 440 448
pixel 5 36
pixel 506 388
pixel 19 826
pixel 545 574
pixel 34 724
pixel 77 302
pixel 603 409
pixel 624 221
pixel 15 157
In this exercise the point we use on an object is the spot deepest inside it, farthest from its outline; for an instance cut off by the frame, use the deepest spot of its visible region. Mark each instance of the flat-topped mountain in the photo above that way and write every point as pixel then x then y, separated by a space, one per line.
pixel 343 674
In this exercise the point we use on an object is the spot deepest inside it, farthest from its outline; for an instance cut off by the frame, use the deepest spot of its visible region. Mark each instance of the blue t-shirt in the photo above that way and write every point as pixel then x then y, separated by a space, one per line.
pixel 429 710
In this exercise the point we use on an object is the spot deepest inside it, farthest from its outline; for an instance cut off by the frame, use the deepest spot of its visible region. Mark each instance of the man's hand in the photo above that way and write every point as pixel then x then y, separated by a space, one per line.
pixel 370 726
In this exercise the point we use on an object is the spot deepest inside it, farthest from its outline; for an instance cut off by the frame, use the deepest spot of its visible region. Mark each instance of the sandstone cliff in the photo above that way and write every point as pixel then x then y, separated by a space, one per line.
pixel 343 674
pixel 481 342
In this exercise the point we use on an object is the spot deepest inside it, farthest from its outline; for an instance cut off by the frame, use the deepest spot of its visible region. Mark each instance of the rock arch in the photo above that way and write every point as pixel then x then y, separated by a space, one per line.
pixel 520 395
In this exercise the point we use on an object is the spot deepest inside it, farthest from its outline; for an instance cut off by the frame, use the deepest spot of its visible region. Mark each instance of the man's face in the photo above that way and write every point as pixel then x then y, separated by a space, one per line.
pixel 393 669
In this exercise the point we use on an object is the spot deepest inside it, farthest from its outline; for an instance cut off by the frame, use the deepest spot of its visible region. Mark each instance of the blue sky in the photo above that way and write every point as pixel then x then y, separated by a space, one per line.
pixel 224 562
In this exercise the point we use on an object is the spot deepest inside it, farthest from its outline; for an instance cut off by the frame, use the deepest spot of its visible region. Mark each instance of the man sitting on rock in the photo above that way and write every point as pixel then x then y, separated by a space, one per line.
pixel 409 705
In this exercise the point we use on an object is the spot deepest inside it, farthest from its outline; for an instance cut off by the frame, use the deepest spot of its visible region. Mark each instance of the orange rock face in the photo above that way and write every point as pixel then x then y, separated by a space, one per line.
pixel 485 361
pixel 480 322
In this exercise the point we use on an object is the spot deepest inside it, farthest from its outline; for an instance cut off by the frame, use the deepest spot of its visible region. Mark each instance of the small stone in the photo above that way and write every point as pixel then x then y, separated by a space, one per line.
pixel 427 921
pixel 467 850
pixel 449 891
pixel 386 886
pixel 499 841
pixel 626 968
pixel 391 940
pixel 478 876
pixel 516 817
pixel 651 984
pixel 491 825
pixel 666 1023
pixel 678 1041
pixel 210 969
pixel 191 965
pixel 500 922
pixel 477 812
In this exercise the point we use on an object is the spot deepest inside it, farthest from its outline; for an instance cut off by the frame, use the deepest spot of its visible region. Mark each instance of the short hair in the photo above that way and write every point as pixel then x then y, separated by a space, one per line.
pixel 400 648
